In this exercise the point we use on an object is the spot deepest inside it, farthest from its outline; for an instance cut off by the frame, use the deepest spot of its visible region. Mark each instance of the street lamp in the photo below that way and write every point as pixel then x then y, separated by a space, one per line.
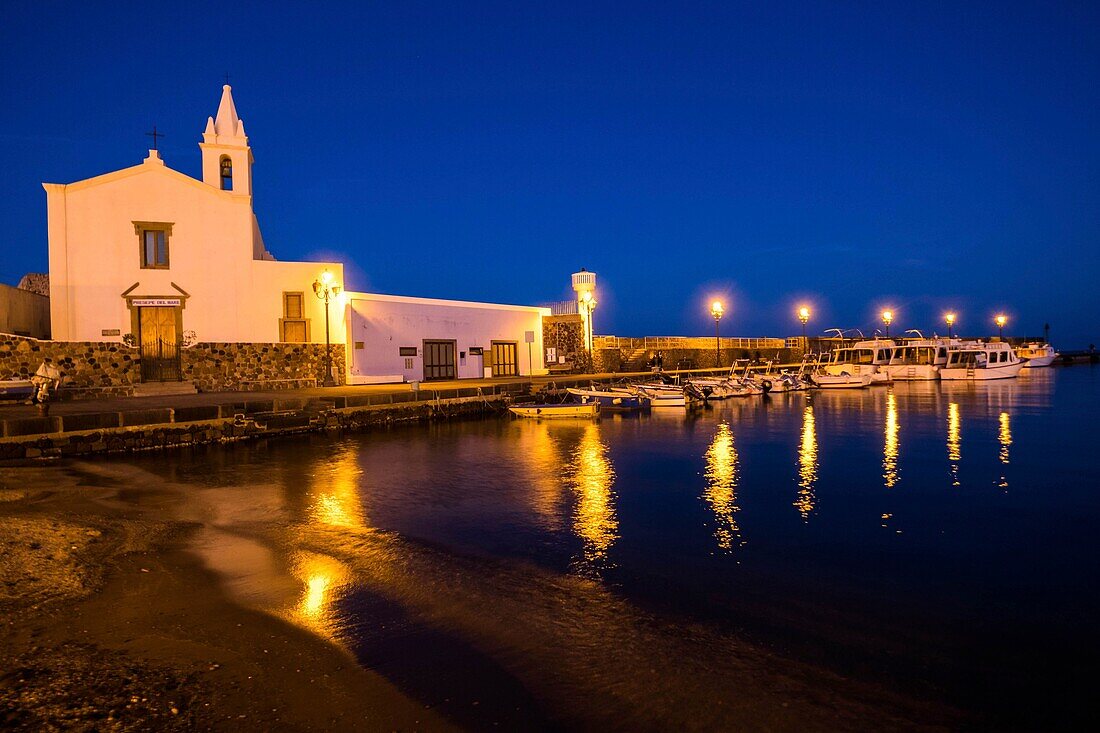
pixel 950 318
pixel 888 318
pixel 804 316
pixel 1001 320
pixel 326 291
pixel 589 304
pixel 716 310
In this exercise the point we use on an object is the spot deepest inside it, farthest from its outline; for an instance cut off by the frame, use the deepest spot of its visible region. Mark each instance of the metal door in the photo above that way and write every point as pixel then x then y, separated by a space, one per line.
pixel 160 354
pixel 439 360
pixel 505 363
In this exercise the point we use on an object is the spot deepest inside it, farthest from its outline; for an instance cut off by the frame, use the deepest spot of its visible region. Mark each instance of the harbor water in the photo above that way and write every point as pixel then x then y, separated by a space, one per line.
pixel 921 553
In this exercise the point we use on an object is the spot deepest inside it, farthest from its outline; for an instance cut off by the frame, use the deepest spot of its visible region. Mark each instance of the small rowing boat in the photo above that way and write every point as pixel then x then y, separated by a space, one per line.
pixel 568 409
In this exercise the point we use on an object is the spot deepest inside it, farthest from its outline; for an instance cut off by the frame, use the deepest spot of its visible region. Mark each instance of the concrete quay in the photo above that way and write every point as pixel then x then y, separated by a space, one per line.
pixel 121 424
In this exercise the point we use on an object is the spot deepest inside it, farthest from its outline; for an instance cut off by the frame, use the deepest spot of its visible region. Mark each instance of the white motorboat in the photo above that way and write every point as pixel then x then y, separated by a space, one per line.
pixel 862 357
pixel 824 380
pixel 977 360
pixel 918 360
pixel 609 400
pixel 778 382
pixel 1036 355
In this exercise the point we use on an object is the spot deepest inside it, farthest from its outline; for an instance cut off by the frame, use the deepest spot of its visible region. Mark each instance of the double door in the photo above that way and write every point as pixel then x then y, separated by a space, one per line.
pixel 439 360
pixel 160 350
pixel 505 361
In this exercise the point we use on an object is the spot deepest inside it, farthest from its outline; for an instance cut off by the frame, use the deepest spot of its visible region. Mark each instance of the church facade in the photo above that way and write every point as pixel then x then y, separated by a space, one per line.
pixel 150 257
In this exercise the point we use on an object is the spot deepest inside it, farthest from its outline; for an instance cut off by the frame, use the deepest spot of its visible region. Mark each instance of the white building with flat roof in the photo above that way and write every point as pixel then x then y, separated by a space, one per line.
pixel 394 338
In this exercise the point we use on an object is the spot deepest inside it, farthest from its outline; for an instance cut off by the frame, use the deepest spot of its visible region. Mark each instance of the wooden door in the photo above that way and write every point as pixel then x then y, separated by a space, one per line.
pixel 439 360
pixel 505 363
pixel 160 355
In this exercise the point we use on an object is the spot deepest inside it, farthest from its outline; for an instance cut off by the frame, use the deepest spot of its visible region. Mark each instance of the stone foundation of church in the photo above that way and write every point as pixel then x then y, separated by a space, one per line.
pixel 108 368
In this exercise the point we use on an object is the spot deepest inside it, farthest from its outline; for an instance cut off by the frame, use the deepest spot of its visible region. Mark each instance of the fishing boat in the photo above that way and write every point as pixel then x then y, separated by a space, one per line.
pixel 566 409
pixel 977 360
pixel 863 357
pixel 919 360
pixel 609 400
pixel 1036 355
pixel 732 385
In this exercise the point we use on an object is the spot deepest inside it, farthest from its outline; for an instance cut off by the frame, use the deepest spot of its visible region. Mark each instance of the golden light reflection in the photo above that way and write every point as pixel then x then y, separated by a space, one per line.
pixel 721 492
pixel 1004 436
pixel 337 501
pixel 322 579
pixel 807 465
pixel 954 441
pixel 542 459
pixel 590 476
pixel 890 446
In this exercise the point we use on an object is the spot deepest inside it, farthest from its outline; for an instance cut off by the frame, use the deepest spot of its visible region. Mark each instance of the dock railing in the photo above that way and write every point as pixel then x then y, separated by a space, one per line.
pixel 666 343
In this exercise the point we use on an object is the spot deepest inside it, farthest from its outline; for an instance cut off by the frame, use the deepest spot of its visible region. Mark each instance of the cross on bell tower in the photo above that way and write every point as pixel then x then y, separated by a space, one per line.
pixel 226 155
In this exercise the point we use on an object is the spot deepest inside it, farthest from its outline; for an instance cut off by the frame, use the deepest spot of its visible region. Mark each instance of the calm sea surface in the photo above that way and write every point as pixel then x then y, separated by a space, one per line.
pixel 936 542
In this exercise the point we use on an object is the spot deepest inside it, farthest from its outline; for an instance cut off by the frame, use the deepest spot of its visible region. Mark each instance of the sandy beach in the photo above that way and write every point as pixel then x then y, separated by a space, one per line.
pixel 109 625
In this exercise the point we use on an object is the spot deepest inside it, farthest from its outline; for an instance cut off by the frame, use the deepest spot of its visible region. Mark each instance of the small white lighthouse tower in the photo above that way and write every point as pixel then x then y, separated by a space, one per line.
pixel 584 284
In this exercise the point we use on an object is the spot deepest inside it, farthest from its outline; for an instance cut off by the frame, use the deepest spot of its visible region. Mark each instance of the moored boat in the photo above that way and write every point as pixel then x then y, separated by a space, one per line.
pixel 862 358
pixel 977 360
pixel 1036 355
pixel 566 409
pixel 918 360
pixel 609 400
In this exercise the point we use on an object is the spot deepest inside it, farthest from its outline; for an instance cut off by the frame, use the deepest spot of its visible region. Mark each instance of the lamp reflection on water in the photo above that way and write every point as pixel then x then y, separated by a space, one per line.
pixel 591 475
pixel 954 441
pixel 336 506
pixel 807 465
pixel 721 491
pixel 890 446
pixel 1004 436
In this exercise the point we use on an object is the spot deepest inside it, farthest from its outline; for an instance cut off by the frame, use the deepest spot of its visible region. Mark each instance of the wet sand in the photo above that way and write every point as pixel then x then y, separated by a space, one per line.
pixel 110 625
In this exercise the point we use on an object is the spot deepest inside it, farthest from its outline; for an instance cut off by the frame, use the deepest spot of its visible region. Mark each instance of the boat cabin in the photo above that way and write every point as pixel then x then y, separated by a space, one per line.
pixel 981 356
pixel 931 354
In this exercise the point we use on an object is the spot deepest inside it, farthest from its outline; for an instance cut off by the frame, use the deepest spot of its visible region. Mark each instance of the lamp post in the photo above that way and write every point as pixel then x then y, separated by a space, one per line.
pixel 888 318
pixel 716 310
pixel 804 316
pixel 950 319
pixel 326 291
pixel 1001 320
pixel 589 304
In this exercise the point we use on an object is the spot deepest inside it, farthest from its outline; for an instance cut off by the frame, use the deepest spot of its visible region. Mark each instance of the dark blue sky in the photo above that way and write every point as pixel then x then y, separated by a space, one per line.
pixel 850 155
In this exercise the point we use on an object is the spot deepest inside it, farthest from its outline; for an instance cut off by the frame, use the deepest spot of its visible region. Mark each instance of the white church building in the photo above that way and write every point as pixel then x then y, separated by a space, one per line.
pixel 150 252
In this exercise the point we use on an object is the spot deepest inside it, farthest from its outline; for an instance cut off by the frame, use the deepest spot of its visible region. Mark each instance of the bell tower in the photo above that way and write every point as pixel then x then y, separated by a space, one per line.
pixel 226 157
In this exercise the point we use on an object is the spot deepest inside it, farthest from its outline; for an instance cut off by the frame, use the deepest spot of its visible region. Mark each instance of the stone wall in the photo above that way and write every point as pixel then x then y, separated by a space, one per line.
pixel 566 334
pixel 89 367
pixel 94 368
pixel 230 367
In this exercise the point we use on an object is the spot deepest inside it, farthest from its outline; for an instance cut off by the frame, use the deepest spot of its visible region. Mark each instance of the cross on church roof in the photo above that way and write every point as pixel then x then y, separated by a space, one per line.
pixel 154 134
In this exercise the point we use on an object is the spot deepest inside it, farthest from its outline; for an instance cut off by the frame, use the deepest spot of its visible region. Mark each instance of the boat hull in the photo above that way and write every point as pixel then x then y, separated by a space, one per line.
pixel 590 409
pixel 913 372
pixel 1039 361
pixel 842 381
pixel 1001 371
pixel 610 400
